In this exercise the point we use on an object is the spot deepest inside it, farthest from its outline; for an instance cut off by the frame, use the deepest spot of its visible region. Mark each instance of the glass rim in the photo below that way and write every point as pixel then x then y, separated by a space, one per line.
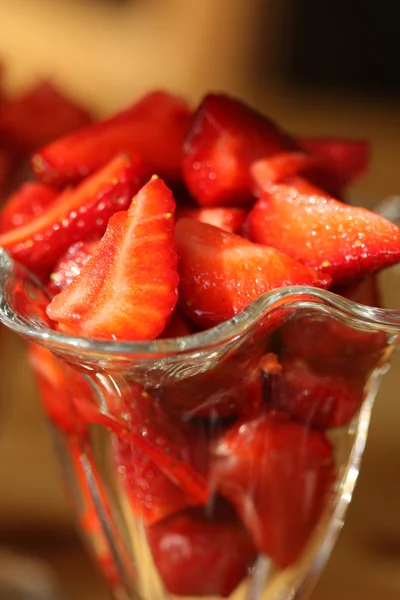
pixel 293 296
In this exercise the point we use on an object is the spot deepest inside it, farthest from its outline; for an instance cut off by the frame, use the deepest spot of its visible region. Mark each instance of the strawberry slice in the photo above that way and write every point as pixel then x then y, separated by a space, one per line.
pixel 30 200
pixel 75 215
pixel 167 472
pixel 345 241
pixel 221 273
pixel 363 292
pixel 178 326
pixel 232 388
pixel 225 138
pixel 331 345
pixel 200 556
pixel 152 494
pixel 315 396
pixel 128 290
pixel 39 116
pixel 228 219
pixel 68 267
pixel 52 388
pixel 278 475
pixel 5 168
pixel 339 162
pixel 153 128
pixel 161 445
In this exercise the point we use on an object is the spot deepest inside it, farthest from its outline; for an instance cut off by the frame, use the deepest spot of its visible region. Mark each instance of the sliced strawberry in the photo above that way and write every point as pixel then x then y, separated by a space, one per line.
pixel 338 162
pixel 225 139
pixel 68 267
pixel 179 450
pixel 30 200
pixel 200 556
pixel 39 116
pixel 314 396
pixel 5 168
pixel 232 388
pixel 178 326
pixel 77 214
pixel 278 475
pixel 152 495
pixel 345 241
pixel 331 344
pixel 153 128
pixel 52 387
pixel 128 290
pixel 363 292
pixel 228 219
pixel 68 398
pixel 221 273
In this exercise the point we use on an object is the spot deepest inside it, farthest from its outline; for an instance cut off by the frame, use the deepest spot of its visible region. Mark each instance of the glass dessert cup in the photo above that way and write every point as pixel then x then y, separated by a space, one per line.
pixel 221 463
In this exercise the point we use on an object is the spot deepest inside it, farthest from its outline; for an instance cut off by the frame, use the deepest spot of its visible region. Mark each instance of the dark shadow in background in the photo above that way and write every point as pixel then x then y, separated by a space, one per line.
pixel 348 45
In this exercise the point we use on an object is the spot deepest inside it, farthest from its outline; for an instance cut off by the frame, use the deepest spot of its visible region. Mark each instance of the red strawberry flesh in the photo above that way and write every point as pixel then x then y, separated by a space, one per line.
pixel 30 200
pixel 221 273
pixel 225 139
pixel 76 214
pixel 345 241
pixel 153 128
pixel 128 290
pixel 197 556
pixel 278 475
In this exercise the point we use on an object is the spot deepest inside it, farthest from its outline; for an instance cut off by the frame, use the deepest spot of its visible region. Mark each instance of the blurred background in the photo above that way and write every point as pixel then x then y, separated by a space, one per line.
pixel 318 69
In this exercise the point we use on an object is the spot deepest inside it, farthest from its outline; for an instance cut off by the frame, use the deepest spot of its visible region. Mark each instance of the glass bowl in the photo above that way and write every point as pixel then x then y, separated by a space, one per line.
pixel 219 464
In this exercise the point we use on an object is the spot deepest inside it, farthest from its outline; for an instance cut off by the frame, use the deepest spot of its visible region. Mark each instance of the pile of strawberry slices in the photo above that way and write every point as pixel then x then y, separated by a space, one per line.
pixel 161 222
pixel 161 213
pixel 30 119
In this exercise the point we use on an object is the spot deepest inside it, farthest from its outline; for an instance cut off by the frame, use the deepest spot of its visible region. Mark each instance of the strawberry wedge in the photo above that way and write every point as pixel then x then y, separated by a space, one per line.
pixel 345 241
pixel 70 265
pixel 228 219
pixel 278 474
pixel 39 116
pixel 221 273
pixel 76 214
pixel 338 163
pixel 153 128
pixel 225 139
pixel 30 200
pixel 128 289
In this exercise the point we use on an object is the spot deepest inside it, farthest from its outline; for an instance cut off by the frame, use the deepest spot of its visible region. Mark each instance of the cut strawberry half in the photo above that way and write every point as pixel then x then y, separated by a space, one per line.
pixel 228 219
pixel 338 163
pixel 30 200
pixel 153 128
pixel 316 397
pixel 52 389
pixel 178 326
pixel 151 494
pixel 39 116
pixel 225 139
pixel 5 167
pixel 128 290
pixel 233 387
pixel 196 555
pixel 75 215
pixel 68 267
pixel 345 241
pixel 331 345
pixel 278 474
pixel 363 292
pixel 178 450
pixel 221 273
